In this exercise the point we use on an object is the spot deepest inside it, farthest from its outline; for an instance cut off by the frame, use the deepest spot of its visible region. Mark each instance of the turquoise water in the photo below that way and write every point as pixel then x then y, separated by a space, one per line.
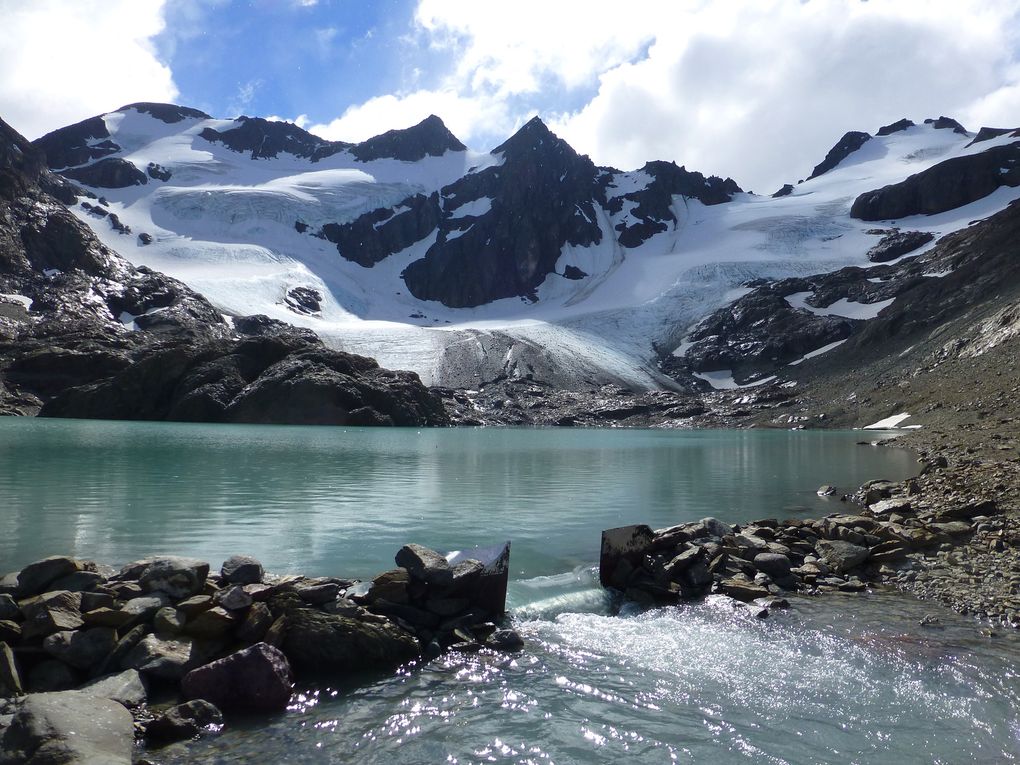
pixel 836 679
pixel 341 501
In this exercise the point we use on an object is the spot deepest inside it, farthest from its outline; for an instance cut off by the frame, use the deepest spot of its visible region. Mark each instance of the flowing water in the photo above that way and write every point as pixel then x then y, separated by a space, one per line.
pixel 835 679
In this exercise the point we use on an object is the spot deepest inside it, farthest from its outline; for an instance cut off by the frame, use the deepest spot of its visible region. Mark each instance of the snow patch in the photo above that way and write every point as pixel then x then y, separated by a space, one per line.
pixel 816 352
pixel 889 422
pixel 842 307
pixel 722 379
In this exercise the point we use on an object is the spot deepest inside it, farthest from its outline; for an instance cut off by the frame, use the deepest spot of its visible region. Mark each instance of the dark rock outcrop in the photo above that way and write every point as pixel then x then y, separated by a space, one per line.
pixel 784 192
pixel 895 127
pixel 256 679
pixel 429 138
pixel 265 139
pixel 897 243
pixel 77 144
pixel 168 113
pixel 947 123
pixel 847 145
pixel 653 212
pixel 988 133
pixel 108 173
pixel 542 199
pixel 380 233
pixel 945 186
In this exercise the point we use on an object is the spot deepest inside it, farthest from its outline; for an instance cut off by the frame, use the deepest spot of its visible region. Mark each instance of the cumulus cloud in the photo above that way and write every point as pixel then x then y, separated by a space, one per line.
pixel 61 62
pixel 755 89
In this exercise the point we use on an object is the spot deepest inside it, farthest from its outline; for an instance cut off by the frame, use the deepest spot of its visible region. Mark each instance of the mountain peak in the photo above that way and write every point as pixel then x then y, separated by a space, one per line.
pixel 168 113
pixel 847 145
pixel 531 135
pixel 429 138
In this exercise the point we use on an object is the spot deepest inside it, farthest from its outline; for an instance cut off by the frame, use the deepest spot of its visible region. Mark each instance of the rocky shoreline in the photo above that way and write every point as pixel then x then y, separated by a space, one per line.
pixel 84 648
pixel 950 534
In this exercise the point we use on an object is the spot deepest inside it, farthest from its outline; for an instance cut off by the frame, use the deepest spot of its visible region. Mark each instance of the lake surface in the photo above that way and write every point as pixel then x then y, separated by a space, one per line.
pixel 836 679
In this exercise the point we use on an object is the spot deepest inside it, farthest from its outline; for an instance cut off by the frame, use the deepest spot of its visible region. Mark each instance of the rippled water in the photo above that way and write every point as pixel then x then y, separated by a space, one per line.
pixel 838 679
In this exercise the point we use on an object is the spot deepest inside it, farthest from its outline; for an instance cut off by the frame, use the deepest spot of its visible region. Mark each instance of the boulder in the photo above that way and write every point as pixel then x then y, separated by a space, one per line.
pixel 626 543
pixel 51 675
pixel 256 623
pixel 82 649
pixel 8 607
pixel 10 632
pixel 242 569
pixel 36 577
pixel 126 688
pixel 390 586
pixel 899 505
pixel 10 673
pixel 108 617
pixel 51 612
pixel 233 598
pixel 892 246
pixel 143 609
pixel 841 556
pixel 177 577
pixel 167 659
pixel 214 623
pixel 258 678
pixel 716 528
pixel 321 641
pixel 317 594
pixel 185 721
pixel 776 566
pixel 68 728
pixel 421 562
pixel 169 621
pixel 742 590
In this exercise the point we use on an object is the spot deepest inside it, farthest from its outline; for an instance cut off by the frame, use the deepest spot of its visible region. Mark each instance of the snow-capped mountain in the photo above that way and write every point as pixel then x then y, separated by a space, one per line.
pixel 528 260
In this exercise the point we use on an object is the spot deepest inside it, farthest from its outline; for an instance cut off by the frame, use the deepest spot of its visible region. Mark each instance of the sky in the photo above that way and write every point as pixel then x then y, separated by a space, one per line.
pixel 757 90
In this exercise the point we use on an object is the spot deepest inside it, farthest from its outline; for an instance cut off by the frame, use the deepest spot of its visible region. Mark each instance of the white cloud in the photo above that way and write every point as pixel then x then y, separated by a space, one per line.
pixel 61 62
pixel 755 89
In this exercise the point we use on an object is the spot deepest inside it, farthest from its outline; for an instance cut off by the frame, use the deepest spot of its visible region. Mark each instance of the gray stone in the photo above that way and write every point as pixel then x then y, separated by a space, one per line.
pixel 169 621
pixel 185 721
pixel 195 605
pixel 900 505
pixel 8 607
pixel 68 728
pixel 505 640
pixel 742 590
pixel 79 581
pixel 233 598
pixel 256 624
pixel 10 632
pixel 317 594
pixel 626 543
pixel 52 612
pixel 177 577
pixel 776 566
pixel 51 675
pixel 126 688
pixel 144 608
pixel 242 569
pixel 391 585
pixel 825 490
pixel 841 556
pixel 421 562
pixel 127 642
pixel 258 678
pixel 10 673
pixel 93 600
pixel 82 649
pixel 214 623
pixel 716 528
pixel 36 577
pixel 680 563
pixel 108 617
pixel 155 656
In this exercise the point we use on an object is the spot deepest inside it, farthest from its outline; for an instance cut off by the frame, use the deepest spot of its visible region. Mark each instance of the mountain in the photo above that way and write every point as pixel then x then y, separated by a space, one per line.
pixel 530 265
pixel 83 333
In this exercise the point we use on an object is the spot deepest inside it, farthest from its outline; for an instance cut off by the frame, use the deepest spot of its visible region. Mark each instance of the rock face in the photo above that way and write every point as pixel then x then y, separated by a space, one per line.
pixel 895 127
pixel 109 173
pixel 846 146
pixel 898 243
pixel 945 186
pixel 541 200
pixel 429 138
pixel 69 728
pixel 265 139
pixel 376 235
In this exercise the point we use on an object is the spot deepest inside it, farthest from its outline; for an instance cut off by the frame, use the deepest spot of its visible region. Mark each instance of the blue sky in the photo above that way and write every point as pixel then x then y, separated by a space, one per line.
pixel 755 89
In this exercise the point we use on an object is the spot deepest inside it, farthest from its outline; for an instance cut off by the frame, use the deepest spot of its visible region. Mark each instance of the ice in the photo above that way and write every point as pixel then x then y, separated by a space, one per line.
pixel 817 352
pixel 722 379
pixel 888 422
pixel 225 225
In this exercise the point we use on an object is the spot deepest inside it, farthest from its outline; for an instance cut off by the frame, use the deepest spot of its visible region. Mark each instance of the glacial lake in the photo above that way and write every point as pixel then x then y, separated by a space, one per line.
pixel 836 679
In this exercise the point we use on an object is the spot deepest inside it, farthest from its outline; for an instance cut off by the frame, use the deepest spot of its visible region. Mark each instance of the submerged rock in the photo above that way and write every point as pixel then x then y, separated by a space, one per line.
pixel 185 721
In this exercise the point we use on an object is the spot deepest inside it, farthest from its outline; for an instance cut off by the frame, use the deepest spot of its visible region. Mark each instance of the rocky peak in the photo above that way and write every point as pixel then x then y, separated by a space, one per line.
pixel 168 113
pixel 847 145
pixel 77 144
pixel 429 138
pixel 946 123
pixel 895 127
pixel 265 139
pixel 18 158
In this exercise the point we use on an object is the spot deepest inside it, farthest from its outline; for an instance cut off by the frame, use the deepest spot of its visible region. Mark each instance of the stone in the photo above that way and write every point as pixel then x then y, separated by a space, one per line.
pixel 447 606
pixel 143 609
pixel 887 506
pixel 36 577
pixel 8 608
pixel 505 640
pixel 127 642
pixel 776 566
pixel 319 593
pixel 79 581
pixel 742 590
pixel 256 679
pixel 897 243
pixel 195 605
pixel 256 624
pixel 93 600
pixel 680 563
pixel 52 612
pixel 716 528
pixel 421 562
pixel 10 673
pixel 214 623
pixel 82 649
pixel 51 675
pixel 841 556
pixel 185 721
pixel 319 641
pixel 177 577
pixel 242 569
pixel 488 591
pixel 629 543
pixel 68 728
pixel 169 621
pixel 108 617
pixel 825 490
pixel 391 586
pixel 167 659
pixel 126 688
pixel 233 598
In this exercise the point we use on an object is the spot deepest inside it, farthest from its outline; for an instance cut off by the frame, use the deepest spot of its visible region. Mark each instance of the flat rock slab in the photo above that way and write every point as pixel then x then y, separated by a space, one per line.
pixel 126 688
pixel 36 577
pixel 68 728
